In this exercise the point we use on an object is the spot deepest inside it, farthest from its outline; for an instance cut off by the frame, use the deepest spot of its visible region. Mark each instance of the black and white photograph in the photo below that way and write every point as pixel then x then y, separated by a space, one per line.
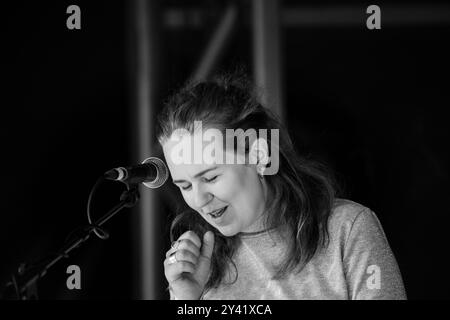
pixel 244 151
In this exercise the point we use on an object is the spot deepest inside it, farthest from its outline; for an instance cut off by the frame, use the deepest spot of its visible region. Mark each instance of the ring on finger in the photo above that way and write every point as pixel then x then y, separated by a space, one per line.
pixel 175 244
pixel 173 258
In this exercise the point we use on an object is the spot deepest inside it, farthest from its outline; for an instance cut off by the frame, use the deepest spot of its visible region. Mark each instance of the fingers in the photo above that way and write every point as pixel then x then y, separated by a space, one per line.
pixel 173 271
pixel 208 245
pixel 182 256
pixel 191 235
pixel 184 244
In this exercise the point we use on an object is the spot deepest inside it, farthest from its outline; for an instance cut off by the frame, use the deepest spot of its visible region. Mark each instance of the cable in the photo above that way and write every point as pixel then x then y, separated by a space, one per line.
pixel 43 265
pixel 99 232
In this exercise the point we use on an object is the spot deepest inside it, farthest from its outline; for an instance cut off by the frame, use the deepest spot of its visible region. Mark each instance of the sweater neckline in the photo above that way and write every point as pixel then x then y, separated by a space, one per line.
pixel 246 235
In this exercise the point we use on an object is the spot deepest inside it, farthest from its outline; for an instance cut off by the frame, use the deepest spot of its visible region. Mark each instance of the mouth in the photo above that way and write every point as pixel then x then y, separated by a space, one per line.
pixel 217 213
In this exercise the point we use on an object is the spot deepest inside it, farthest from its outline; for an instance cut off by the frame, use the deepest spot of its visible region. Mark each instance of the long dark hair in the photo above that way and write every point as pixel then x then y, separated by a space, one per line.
pixel 300 196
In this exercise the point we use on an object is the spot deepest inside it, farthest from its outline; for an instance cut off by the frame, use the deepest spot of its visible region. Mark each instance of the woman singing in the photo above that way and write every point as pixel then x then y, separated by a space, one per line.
pixel 266 223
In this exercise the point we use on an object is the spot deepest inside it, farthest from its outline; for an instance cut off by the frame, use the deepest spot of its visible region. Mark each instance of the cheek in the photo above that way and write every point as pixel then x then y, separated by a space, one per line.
pixel 251 193
pixel 241 187
pixel 229 187
pixel 188 199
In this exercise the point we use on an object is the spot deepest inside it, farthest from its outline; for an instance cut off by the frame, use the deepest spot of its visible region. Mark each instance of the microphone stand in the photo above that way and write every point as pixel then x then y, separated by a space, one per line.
pixel 27 289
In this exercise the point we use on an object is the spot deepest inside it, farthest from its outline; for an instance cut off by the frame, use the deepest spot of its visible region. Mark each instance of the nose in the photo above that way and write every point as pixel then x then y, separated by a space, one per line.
pixel 201 197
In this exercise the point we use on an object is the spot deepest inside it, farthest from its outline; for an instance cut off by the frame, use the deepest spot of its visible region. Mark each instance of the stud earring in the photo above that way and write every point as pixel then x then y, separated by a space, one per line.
pixel 261 173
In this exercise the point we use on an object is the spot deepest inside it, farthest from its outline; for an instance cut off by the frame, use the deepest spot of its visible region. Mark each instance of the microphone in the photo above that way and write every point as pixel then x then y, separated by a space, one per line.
pixel 152 173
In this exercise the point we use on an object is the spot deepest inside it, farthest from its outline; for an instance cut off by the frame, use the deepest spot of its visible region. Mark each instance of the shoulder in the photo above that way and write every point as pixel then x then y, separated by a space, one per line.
pixel 348 217
pixel 345 211
pixel 358 240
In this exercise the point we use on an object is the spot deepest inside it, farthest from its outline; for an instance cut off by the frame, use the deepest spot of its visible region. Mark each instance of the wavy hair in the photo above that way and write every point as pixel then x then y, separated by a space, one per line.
pixel 300 196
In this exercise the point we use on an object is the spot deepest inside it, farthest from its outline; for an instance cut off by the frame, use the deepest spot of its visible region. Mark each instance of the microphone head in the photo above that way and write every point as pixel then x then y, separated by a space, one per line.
pixel 162 173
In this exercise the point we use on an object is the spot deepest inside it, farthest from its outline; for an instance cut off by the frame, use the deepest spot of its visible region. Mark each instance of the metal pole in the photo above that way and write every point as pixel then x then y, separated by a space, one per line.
pixel 266 54
pixel 143 22
pixel 216 45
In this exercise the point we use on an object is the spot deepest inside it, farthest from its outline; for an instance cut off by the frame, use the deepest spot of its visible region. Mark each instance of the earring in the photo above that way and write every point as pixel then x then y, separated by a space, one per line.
pixel 261 173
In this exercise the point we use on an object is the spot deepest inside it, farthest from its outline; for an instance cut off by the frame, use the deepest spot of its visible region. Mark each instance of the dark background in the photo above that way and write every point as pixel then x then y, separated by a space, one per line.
pixel 370 103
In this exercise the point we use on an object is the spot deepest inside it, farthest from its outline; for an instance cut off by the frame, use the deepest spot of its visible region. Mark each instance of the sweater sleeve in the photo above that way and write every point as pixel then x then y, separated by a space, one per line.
pixel 370 267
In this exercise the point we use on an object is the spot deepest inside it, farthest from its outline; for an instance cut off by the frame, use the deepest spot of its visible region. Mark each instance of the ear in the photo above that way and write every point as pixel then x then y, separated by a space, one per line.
pixel 259 154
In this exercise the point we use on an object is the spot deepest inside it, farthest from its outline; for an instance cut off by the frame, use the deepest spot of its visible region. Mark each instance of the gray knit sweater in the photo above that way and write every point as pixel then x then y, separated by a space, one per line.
pixel 357 264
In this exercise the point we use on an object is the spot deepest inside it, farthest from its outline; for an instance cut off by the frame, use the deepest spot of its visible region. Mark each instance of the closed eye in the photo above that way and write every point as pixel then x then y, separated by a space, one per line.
pixel 186 188
pixel 212 179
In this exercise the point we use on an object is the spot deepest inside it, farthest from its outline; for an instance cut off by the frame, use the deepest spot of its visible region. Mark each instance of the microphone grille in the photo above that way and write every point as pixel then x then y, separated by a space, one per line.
pixel 162 173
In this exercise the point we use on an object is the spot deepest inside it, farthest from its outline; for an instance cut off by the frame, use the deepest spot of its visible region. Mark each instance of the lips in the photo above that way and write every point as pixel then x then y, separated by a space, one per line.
pixel 217 213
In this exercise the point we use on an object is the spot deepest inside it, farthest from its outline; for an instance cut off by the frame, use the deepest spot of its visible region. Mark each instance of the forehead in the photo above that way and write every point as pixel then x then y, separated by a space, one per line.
pixel 192 147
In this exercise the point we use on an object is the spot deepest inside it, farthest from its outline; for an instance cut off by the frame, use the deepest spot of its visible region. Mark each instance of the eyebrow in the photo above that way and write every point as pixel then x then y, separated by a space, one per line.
pixel 196 175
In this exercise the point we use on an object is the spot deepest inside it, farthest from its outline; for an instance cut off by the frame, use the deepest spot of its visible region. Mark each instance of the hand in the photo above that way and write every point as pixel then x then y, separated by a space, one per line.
pixel 188 264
